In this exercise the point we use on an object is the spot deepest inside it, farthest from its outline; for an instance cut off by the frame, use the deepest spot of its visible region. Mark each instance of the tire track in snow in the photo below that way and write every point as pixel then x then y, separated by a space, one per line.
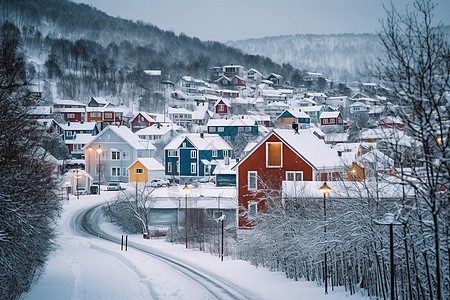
pixel 85 224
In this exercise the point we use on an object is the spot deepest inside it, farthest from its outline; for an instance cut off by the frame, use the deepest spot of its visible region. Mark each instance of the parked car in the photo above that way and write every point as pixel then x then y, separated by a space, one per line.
pixel 114 186
pixel 159 182
pixel 80 191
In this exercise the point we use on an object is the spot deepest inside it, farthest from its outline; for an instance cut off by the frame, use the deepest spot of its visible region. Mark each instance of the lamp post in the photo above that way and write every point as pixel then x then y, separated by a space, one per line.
pixel 389 219
pixel 77 176
pixel 185 190
pixel 325 189
pixel 99 151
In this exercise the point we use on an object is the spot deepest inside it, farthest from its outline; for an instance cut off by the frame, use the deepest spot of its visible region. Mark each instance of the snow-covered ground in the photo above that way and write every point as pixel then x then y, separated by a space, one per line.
pixel 86 267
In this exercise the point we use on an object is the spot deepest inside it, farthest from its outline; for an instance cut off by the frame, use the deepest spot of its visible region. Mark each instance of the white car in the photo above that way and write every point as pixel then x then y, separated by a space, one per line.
pixel 159 182
pixel 114 186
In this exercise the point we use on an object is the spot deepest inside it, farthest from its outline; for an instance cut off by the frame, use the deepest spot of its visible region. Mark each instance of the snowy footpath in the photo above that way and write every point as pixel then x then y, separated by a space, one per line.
pixel 88 267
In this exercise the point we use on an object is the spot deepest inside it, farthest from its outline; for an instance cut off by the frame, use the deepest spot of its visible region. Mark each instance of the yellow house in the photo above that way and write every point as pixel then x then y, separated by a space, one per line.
pixel 145 170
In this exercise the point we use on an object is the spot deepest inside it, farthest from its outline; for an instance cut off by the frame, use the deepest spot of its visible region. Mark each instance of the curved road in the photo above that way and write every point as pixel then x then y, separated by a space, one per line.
pixel 86 222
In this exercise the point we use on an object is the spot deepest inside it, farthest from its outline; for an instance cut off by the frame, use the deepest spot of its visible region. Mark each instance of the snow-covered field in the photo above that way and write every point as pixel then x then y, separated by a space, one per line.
pixel 86 267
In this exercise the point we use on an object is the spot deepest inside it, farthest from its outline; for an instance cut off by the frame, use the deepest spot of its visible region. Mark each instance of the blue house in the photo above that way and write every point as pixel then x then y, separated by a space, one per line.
pixel 228 129
pixel 192 156
pixel 70 130
pixel 289 117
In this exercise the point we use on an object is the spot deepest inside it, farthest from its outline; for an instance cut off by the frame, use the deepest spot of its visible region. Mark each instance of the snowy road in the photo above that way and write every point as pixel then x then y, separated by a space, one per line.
pixel 89 264
pixel 86 224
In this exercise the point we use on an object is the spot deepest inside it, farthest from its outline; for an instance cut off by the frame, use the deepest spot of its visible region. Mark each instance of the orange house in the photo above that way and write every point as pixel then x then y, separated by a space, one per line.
pixel 145 170
pixel 283 155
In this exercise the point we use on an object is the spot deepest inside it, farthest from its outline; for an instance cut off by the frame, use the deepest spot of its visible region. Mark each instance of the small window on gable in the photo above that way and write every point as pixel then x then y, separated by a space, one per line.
pixel 274 155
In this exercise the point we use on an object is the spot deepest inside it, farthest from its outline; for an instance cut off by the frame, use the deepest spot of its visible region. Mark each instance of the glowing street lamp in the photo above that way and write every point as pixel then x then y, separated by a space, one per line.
pixel 185 190
pixel 78 175
pixel 99 151
pixel 325 189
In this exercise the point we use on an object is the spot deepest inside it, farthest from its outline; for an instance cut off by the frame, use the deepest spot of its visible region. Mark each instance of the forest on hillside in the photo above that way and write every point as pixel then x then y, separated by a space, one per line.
pixel 88 53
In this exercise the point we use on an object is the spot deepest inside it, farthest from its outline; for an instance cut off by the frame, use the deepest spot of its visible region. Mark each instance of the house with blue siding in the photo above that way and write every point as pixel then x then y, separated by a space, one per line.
pixel 71 129
pixel 289 117
pixel 109 154
pixel 192 156
pixel 229 128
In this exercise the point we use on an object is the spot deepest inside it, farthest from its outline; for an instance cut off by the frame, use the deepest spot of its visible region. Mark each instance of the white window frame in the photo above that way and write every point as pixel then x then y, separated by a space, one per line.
pixel 108 115
pixel 220 129
pixel 252 208
pixel 117 155
pixel 267 155
pixel 70 116
pixel 240 128
pixel 214 153
pixel 212 129
pixel 294 174
pixel 141 171
pixel 225 153
pixel 125 172
pixel 250 175
pixel 193 168
pixel 77 147
pixel 172 153
pixel 193 153
pixel 248 128
pixel 115 170
pixel 169 167
pixel 126 155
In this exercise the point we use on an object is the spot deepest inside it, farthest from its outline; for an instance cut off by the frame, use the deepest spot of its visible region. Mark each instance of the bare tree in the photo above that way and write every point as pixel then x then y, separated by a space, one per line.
pixel 416 65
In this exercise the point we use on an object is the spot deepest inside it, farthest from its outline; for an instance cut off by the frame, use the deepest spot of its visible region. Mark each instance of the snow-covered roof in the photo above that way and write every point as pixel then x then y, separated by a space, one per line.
pixel 231 122
pixel 223 168
pixel 78 125
pixel 149 163
pixel 162 129
pixel 80 138
pixel 359 104
pixel 345 189
pixel 391 120
pixel 199 113
pixel 377 157
pixel 41 110
pixel 127 136
pixel 105 109
pixel 296 114
pixel 207 142
pixel 225 101
pixel 329 114
pixel 311 108
pixel 100 100
pixel 145 115
pixel 69 109
pixel 68 102
pixel 173 111
pixel 277 104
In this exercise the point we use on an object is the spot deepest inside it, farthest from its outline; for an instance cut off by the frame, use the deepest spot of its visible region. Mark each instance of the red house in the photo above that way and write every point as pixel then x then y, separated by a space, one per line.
pixel 222 107
pixel 72 111
pixel 140 121
pixel 283 155
pixel 331 119
pixel 392 122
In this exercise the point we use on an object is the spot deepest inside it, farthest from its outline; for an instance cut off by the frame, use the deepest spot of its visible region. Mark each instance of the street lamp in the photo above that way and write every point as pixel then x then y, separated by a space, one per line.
pixel 389 219
pixel 325 189
pixel 185 190
pixel 99 151
pixel 77 176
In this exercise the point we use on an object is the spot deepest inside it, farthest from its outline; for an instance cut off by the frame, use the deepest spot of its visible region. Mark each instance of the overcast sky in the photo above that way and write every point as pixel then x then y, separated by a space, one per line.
pixel 223 20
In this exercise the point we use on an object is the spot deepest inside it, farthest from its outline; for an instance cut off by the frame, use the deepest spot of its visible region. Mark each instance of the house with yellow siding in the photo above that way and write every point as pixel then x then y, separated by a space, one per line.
pixel 145 170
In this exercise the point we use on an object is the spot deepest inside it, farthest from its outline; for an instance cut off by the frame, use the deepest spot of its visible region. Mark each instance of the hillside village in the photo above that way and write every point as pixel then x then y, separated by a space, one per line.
pixel 239 129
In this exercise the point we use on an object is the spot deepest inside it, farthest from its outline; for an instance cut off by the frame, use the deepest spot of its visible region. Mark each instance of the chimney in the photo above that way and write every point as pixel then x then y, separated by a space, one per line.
pixel 339 153
pixel 68 123
pixel 295 127
pixel 202 135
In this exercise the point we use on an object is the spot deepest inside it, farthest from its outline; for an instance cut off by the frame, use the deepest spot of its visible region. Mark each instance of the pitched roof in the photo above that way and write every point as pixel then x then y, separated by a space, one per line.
pixel 78 125
pixel 157 130
pixel 231 122
pixel 149 163
pixel 145 115
pixel 306 145
pixel 127 136
pixel 208 142
pixel 329 114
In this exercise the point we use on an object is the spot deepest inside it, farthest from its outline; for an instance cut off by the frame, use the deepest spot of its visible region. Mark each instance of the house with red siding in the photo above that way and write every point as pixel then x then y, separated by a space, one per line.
pixel 140 121
pixel 282 155
pixel 392 122
pixel 331 121
pixel 222 107
pixel 70 110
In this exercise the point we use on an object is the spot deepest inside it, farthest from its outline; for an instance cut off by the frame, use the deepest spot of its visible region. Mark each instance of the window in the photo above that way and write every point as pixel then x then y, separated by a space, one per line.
pixel 172 153
pixel 252 180
pixel 126 155
pixel 207 170
pixel 325 121
pixel 274 155
pixel 225 153
pixel 248 128
pixel 214 153
pixel 240 128
pixel 70 116
pixel 217 214
pixel 227 138
pixel 69 133
pixel 220 129
pixel 221 107
pixel 108 116
pixel 252 208
pixel 184 144
pixel 139 171
pixel 125 172
pixel 212 129
pixel 77 147
pixel 294 176
pixel 115 155
pixel 193 153
pixel 169 167
pixel 193 168
pixel 115 171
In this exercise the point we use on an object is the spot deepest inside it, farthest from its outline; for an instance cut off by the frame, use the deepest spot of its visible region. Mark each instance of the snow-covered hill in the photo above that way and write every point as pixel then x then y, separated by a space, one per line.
pixel 341 56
